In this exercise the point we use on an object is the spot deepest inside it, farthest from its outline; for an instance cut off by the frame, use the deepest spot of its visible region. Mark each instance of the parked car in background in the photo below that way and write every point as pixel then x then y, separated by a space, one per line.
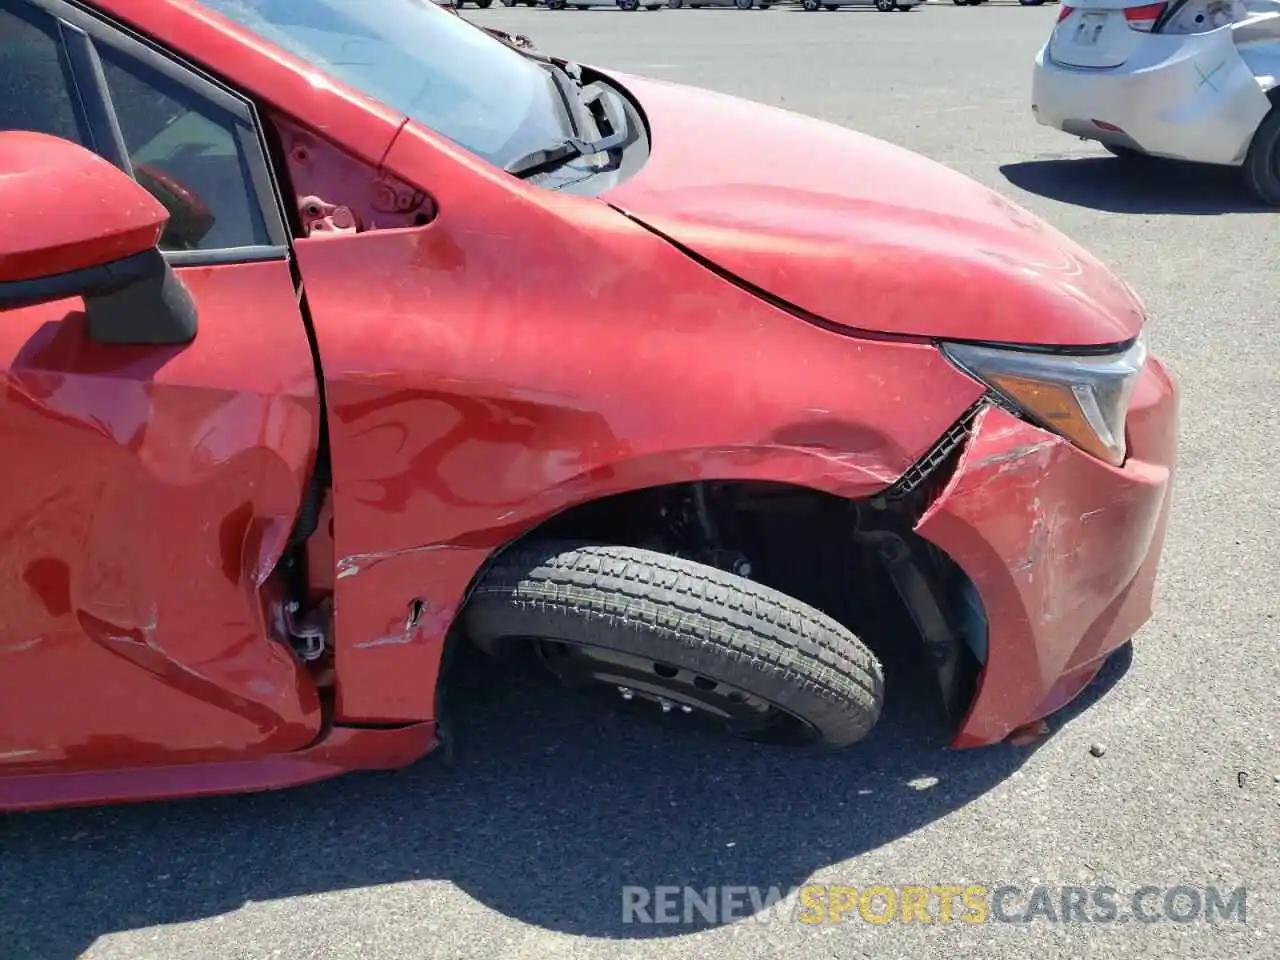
pixel 740 4
pixel 1186 80
pixel 884 6
pixel 629 5
pixel 282 426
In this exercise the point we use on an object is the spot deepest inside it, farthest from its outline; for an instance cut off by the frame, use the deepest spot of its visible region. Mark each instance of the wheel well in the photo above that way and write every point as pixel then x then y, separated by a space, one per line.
pixel 859 561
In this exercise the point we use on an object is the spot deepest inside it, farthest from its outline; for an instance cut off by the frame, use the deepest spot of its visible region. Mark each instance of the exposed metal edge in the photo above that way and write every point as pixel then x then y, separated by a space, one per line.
pixel 937 455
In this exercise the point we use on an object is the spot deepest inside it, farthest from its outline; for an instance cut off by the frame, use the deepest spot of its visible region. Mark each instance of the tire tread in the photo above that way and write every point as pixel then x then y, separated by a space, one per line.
pixel 801 654
pixel 1259 175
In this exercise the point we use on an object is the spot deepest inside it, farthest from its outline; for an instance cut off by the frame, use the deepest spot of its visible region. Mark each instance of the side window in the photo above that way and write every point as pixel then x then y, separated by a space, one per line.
pixel 36 81
pixel 189 153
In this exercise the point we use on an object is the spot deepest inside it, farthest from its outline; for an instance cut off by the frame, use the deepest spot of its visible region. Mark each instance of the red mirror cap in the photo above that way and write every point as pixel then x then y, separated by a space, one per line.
pixel 64 208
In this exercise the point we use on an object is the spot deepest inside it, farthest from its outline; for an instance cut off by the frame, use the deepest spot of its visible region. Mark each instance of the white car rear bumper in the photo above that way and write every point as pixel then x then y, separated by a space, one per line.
pixel 1185 97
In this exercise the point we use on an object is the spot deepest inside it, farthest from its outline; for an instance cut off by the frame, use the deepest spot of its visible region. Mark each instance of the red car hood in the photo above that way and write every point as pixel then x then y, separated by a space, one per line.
pixel 859 232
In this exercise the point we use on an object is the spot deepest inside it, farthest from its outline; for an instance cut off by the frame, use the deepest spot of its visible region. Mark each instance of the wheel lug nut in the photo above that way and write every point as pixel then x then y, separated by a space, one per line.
pixel 686 708
pixel 666 707
pixel 627 692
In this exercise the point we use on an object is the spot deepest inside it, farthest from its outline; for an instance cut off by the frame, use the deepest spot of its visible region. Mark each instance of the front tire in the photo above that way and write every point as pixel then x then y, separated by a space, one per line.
pixel 886 6
pixel 1261 168
pixel 680 636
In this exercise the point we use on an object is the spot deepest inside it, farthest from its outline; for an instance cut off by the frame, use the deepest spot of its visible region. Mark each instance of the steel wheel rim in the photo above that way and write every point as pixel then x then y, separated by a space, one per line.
pixel 674 691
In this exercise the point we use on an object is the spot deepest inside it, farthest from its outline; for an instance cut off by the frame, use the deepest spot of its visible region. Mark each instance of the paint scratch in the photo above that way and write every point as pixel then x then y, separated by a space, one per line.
pixel 354 564
pixel 1017 453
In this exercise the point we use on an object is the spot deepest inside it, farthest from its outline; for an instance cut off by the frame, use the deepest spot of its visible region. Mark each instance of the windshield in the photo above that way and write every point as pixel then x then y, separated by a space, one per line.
pixel 421 61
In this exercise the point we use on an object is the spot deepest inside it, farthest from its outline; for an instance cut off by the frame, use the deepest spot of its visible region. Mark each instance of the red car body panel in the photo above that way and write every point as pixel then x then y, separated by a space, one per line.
pixel 342 750
pixel 467 401
pixel 861 232
pixel 454 430
pixel 1064 547
pixel 154 491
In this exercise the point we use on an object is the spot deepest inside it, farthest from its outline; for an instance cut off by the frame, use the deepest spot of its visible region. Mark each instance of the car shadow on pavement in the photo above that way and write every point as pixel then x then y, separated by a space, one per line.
pixel 1136 186
pixel 550 807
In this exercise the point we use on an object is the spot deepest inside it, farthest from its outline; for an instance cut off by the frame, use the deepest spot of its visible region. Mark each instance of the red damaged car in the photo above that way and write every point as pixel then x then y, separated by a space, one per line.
pixel 336 334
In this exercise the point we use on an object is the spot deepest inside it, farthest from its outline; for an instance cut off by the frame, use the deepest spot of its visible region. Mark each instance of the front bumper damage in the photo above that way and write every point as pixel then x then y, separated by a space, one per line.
pixel 1062 548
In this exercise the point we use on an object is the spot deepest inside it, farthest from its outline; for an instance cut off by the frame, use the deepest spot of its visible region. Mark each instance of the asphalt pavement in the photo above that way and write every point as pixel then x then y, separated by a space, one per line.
pixel 522 848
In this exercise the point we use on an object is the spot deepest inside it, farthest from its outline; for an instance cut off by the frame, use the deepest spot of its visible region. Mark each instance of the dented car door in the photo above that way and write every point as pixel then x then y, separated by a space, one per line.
pixel 149 491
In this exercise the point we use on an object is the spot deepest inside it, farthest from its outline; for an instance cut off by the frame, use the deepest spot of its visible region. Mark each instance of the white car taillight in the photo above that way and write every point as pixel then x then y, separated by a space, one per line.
pixel 1144 18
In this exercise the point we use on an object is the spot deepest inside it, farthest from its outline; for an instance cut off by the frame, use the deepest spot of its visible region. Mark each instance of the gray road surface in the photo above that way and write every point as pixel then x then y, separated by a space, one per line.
pixel 521 849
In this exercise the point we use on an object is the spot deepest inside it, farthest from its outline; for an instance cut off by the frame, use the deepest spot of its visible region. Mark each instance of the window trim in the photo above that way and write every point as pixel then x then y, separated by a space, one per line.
pixel 86 71
pixel 42 21
pixel 98 111
pixel 225 255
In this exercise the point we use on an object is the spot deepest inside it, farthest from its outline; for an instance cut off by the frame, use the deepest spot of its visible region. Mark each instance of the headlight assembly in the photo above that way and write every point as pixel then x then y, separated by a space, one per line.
pixel 1084 398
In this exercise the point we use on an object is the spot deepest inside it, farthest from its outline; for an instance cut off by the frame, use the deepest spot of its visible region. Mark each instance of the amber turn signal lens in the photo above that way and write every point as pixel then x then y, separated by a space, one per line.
pixel 1055 406
pixel 1083 397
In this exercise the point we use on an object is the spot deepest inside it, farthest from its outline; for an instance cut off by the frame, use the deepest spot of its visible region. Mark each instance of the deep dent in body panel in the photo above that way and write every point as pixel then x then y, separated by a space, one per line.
pixel 1062 546
pixel 141 463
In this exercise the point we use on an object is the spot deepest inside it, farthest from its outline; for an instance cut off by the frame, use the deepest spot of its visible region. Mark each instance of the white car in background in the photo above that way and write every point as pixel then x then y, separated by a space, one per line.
pixel 884 6
pixel 740 4
pixel 1195 80
pixel 584 4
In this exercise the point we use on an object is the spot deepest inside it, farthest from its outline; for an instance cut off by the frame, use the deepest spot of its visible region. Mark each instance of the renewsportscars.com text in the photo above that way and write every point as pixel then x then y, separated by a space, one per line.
pixel 817 904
